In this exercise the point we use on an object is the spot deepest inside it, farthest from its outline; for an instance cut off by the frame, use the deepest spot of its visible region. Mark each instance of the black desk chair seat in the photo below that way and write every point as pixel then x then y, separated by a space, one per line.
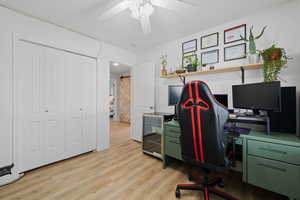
pixel 203 140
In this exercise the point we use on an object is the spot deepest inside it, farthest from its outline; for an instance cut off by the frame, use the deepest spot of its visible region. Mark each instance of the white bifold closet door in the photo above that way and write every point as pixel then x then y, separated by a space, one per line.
pixel 81 106
pixel 55 105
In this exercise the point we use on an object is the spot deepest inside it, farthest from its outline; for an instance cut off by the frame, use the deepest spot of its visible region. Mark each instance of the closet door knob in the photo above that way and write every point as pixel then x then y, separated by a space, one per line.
pixel 46 110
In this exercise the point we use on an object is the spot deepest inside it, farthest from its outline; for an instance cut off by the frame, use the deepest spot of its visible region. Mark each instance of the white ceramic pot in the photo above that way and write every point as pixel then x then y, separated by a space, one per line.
pixel 254 58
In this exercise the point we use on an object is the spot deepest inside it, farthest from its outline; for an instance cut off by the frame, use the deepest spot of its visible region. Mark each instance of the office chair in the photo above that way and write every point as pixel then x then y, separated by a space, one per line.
pixel 203 141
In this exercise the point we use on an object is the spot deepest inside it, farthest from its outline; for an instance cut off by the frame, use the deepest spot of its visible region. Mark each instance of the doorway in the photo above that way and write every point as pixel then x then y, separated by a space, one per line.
pixel 120 102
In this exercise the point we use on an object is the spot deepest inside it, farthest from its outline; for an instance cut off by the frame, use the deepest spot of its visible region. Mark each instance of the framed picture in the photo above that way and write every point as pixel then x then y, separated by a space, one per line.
pixel 234 34
pixel 189 46
pixel 210 57
pixel 209 41
pixel 235 52
pixel 187 59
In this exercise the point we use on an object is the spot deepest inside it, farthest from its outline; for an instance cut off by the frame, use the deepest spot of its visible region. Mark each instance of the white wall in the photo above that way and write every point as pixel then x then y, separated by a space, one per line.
pixel 283 28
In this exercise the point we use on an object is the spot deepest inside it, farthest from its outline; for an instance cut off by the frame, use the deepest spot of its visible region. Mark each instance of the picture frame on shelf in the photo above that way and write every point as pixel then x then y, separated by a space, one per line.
pixel 189 46
pixel 235 52
pixel 210 57
pixel 209 41
pixel 234 34
pixel 185 59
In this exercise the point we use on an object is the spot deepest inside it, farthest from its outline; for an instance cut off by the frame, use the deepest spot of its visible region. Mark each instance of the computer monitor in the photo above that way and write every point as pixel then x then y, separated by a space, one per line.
pixel 258 96
pixel 222 99
pixel 174 94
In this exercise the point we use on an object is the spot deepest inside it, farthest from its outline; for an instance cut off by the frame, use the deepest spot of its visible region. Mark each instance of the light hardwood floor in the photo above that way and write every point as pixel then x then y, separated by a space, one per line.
pixel 122 172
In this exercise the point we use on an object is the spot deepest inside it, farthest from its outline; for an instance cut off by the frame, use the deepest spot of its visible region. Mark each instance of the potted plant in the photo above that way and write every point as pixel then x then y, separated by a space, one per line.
pixel 253 56
pixel 192 63
pixel 164 63
pixel 274 60
pixel 204 67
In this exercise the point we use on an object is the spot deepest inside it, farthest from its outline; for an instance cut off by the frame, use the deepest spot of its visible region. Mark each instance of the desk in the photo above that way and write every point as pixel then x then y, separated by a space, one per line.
pixel 271 161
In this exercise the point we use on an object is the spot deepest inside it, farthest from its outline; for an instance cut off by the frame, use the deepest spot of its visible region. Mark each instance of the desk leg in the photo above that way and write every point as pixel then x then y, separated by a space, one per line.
pixel 165 162
pixel 245 160
pixel 233 152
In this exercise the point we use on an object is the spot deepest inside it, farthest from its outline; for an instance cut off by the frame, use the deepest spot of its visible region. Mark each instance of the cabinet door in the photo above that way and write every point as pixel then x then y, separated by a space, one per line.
pixel 74 106
pixel 89 104
pixel 53 73
pixel 29 110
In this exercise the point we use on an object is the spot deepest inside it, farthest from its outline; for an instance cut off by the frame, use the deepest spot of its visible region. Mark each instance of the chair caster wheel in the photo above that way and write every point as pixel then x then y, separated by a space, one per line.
pixel 190 177
pixel 221 184
pixel 177 194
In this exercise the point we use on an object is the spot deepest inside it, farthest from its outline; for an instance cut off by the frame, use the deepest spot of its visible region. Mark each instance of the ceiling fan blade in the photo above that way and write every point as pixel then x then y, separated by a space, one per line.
pixel 146 24
pixel 174 5
pixel 116 9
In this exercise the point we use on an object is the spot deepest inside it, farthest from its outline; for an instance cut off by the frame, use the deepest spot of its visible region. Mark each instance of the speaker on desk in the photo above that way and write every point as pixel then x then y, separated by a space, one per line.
pixel 286 120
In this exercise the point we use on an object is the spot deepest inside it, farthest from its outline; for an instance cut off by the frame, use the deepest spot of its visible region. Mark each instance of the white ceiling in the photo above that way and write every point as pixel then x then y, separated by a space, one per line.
pixel 120 69
pixel 125 32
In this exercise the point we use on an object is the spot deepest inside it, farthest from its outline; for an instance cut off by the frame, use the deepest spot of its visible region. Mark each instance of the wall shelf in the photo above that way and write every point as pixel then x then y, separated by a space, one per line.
pixel 215 71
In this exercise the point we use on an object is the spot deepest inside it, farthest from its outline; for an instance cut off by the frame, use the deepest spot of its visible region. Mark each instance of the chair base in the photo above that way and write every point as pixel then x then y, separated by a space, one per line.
pixel 207 187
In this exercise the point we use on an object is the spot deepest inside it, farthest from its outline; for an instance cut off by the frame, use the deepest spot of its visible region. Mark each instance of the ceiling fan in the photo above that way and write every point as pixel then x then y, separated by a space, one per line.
pixel 142 10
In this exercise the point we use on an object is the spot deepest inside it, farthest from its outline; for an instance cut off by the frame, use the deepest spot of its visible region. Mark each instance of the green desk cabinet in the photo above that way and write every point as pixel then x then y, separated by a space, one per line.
pixel 270 162
pixel 172 146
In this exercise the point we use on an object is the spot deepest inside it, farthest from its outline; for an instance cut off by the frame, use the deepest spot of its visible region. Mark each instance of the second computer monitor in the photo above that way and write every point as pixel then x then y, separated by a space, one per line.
pixel 222 99
pixel 257 96
pixel 174 94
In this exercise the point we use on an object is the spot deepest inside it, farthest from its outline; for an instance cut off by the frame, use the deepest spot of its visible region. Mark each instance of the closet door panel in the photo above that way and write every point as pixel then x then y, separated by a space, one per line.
pixel 74 106
pixel 6 136
pixel 89 111
pixel 29 114
pixel 53 104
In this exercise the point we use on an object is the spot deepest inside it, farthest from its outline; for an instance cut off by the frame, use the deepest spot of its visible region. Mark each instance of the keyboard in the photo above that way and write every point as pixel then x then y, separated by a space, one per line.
pixel 237 130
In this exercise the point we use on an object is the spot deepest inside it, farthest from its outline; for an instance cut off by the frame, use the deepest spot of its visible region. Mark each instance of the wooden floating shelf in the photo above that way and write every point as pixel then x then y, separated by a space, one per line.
pixel 215 71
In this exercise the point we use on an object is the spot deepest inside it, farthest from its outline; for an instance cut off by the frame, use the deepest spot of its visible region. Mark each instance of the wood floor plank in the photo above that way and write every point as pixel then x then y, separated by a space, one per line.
pixel 122 172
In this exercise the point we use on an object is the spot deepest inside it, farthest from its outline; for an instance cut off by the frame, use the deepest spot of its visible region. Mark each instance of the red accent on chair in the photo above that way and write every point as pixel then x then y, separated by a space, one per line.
pixel 206 194
pixel 200 105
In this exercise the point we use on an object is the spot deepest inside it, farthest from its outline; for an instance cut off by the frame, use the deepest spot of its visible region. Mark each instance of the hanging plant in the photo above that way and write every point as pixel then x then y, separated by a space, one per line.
pixel 274 60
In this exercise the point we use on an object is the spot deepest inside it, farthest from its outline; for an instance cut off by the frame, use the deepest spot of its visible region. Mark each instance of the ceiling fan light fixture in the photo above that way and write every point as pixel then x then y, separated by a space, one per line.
pixel 116 64
pixel 140 8
pixel 147 9
pixel 135 14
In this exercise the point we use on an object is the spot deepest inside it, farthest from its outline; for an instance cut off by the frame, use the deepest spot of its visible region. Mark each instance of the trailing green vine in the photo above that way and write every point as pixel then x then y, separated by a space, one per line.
pixel 274 60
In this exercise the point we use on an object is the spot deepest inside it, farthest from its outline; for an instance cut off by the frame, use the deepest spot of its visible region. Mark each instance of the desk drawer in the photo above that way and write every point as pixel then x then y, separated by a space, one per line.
pixel 275 176
pixel 173 148
pixel 273 151
pixel 172 131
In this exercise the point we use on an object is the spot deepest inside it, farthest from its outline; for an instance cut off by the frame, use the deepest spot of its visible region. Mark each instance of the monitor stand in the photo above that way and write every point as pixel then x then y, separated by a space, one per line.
pixel 252 119
pixel 256 112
